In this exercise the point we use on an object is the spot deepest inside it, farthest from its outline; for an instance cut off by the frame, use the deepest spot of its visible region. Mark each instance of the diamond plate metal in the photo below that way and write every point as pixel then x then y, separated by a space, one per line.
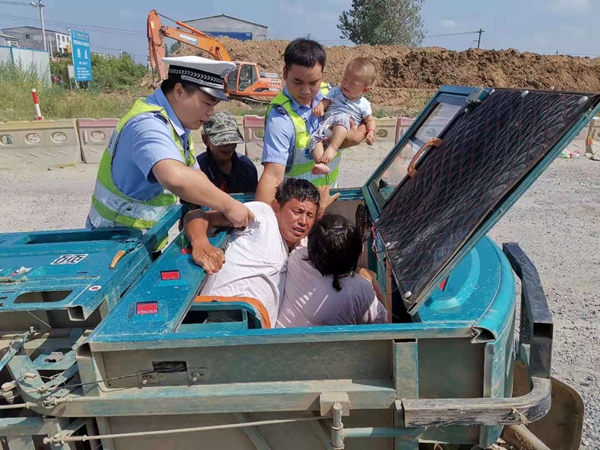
pixel 485 154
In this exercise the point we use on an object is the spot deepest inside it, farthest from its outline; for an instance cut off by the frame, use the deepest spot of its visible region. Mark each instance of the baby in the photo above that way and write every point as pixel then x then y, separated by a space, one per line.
pixel 342 104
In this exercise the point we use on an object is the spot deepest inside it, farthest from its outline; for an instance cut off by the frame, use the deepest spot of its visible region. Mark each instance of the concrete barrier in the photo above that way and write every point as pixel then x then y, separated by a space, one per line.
pixel 385 139
pixel 254 133
pixel 403 124
pixel 60 143
pixel 366 158
pixel 385 136
pixel 201 148
pixel 48 143
pixel 94 135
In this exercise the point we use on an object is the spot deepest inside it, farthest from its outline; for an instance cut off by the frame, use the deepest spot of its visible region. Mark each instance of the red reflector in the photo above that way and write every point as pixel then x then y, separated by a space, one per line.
pixel 443 284
pixel 170 275
pixel 186 251
pixel 146 308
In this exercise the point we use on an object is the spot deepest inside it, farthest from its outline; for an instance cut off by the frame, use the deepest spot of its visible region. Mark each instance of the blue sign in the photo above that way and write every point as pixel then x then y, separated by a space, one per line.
pixel 82 55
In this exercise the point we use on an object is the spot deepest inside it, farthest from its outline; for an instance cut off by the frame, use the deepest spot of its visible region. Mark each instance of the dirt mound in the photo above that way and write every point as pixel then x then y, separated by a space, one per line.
pixel 407 75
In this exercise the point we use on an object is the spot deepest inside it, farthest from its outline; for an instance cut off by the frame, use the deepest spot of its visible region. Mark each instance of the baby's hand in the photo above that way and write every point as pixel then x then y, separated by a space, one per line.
pixel 370 138
pixel 319 110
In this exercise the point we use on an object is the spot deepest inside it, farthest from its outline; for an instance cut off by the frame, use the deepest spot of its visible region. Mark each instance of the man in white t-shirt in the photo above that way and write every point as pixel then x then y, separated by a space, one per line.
pixel 254 262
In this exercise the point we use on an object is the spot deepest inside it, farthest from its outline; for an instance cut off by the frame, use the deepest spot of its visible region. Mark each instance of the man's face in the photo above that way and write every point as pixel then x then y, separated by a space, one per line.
pixel 222 153
pixel 193 109
pixel 295 219
pixel 219 153
pixel 303 83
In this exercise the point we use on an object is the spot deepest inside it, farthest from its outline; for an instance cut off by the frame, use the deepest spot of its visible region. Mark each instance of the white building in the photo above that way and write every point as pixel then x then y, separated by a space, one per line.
pixel 233 27
pixel 31 37
pixel 8 41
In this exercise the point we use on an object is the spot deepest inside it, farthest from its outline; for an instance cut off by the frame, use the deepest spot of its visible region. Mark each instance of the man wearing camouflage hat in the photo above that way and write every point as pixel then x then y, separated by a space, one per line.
pixel 228 170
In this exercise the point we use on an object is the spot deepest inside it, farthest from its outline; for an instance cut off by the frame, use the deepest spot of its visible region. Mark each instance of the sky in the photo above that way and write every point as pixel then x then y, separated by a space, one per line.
pixel 541 26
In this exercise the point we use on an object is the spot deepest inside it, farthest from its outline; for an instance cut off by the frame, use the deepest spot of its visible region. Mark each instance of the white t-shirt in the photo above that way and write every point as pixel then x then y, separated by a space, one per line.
pixel 310 298
pixel 357 109
pixel 255 262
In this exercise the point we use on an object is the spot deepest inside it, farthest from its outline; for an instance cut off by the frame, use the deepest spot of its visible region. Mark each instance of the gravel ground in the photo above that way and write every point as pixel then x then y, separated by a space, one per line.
pixel 557 223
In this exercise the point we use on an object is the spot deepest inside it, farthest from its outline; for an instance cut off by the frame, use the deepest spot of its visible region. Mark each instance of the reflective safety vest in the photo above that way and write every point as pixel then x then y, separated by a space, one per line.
pixel 300 163
pixel 111 207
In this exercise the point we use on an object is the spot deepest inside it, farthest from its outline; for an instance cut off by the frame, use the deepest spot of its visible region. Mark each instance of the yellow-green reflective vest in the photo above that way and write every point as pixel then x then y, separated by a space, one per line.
pixel 111 207
pixel 302 164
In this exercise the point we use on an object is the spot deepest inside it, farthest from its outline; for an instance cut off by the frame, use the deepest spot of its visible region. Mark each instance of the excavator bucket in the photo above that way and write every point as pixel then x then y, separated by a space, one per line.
pixel 560 429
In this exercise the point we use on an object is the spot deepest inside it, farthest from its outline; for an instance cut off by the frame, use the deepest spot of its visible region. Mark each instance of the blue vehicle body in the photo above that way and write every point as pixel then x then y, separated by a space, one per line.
pixel 135 355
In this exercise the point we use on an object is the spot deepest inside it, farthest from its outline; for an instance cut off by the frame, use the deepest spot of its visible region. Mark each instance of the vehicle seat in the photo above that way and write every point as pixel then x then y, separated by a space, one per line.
pixel 252 305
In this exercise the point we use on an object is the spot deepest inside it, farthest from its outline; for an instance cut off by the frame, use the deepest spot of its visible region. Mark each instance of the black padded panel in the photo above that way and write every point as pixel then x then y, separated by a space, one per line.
pixel 484 155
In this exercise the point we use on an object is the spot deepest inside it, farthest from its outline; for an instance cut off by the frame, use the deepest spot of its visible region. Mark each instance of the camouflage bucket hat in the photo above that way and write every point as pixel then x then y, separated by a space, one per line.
pixel 222 129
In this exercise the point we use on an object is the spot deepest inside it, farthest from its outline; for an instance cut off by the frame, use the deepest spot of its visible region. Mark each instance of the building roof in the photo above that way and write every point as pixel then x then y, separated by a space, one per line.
pixel 229 17
pixel 36 28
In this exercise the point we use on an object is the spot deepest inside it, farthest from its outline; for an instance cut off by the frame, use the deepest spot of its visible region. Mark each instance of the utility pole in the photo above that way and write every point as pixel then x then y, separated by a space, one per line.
pixel 41 7
pixel 479 40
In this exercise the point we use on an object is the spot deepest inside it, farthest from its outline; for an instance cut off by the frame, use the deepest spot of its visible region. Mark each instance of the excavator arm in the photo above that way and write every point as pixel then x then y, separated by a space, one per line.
pixel 157 33
pixel 246 83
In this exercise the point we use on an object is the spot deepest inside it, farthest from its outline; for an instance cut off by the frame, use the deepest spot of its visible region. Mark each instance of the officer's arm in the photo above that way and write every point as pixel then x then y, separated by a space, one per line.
pixel 278 142
pixel 270 179
pixel 158 158
pixel 191 185
pixel 355 136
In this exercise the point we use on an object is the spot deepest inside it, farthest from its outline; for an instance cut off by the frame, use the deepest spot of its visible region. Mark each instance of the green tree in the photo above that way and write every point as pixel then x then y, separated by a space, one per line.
pixel 383 22
pixel 109 73
pixel 176 46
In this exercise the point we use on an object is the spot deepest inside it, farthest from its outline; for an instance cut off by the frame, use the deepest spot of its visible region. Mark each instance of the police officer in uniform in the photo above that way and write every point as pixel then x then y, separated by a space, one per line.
pixel 150 160
pixel 290 122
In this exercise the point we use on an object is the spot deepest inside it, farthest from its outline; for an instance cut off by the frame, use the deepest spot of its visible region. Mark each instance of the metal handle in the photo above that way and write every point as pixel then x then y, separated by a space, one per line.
pixel 117 258
pixel 536 319
pixel 433 142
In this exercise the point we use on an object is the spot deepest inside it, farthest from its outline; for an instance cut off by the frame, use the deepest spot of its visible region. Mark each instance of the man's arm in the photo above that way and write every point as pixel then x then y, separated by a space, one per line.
pixel 194 187
pixel 326 200
pixel 196 224
pixel 157 156
pixel 270 179
pixel 355 135
pixel 278 142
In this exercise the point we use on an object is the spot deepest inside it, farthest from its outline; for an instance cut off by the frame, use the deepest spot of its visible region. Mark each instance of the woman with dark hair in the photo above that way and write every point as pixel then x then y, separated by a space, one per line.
pixel 322 285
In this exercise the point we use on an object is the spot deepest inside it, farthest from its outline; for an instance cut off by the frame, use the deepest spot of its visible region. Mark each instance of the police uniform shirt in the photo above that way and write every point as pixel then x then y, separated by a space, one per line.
pixel 144 141
pixel 280 137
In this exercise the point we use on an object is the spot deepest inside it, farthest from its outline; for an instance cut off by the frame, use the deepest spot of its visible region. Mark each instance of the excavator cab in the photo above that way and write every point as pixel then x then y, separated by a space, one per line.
pixel 247 84
pixel 242 78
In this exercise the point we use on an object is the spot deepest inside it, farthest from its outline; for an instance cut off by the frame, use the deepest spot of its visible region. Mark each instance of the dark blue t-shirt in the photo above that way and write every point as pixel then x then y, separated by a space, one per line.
pixel 243 176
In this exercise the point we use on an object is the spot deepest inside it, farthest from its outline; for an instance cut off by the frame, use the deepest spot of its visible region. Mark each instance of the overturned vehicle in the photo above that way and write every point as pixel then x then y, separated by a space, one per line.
pixel 104 345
